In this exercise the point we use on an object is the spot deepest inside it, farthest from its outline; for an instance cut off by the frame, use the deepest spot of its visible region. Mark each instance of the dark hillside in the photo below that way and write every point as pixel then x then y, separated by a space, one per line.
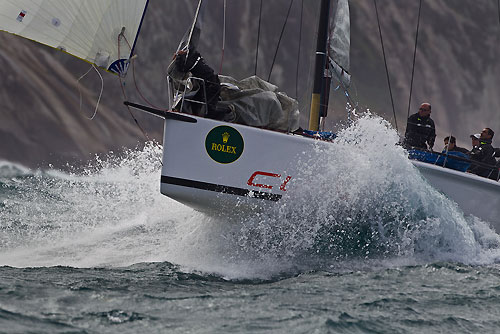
pixel 457 70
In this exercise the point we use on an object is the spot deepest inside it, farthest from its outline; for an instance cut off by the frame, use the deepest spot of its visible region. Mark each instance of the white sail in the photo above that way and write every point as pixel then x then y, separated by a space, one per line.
pixel 340 43
pixel 87 29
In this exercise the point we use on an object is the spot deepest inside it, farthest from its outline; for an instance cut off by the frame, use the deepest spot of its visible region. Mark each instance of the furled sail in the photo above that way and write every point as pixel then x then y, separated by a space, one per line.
pixel 102 32
pixel 340 42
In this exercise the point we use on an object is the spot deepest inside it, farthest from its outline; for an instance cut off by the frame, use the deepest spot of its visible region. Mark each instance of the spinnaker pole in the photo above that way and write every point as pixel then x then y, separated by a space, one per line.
pixel 320 65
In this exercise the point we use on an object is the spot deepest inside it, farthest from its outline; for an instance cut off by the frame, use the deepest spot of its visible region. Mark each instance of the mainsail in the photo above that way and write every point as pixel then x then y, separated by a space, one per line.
pixel 102 32
pixel 340 43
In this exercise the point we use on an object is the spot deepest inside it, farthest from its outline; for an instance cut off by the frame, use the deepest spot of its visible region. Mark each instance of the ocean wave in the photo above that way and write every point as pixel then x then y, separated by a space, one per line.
pixel 358 202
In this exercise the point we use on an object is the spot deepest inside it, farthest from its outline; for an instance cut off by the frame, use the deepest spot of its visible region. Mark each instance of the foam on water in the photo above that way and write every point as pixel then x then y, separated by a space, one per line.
pixel 359 201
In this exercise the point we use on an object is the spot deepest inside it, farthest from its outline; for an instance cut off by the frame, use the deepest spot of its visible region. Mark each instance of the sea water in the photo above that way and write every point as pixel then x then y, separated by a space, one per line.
pixel 365 245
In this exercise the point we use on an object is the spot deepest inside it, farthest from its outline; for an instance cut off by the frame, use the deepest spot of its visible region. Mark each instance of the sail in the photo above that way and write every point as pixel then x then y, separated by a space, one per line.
pixel 340 43
pixel 192 36
pixel 102 32
pixel 188 43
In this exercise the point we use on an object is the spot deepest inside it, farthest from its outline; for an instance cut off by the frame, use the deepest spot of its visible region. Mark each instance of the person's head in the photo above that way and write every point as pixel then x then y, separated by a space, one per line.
pixel 424 110
pixel 475 139
pixel 450 141
pixel 487 133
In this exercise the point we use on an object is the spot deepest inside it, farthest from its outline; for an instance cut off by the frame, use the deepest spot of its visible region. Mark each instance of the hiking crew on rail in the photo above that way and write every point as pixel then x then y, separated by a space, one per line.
pixel 421 133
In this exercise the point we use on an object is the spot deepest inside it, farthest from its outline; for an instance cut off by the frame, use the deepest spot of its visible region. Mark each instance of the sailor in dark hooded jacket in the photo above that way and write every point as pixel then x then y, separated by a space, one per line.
pixel 484 152
pixel 192 62
pixel 420 129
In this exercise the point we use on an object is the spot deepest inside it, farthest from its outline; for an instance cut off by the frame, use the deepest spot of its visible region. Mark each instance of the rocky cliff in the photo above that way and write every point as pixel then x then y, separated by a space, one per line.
pixel 457 70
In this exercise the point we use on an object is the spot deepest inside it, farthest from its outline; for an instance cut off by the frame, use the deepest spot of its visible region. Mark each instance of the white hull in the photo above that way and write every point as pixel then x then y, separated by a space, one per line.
pixel 260 176
pixel 265 171
pixel 475 195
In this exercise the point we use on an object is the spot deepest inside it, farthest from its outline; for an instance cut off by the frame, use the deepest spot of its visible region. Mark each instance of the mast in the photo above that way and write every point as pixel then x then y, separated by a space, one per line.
pixel 319 68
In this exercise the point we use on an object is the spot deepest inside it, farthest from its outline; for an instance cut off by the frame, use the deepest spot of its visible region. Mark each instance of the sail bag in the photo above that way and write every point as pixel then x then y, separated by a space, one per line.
pixel 259 103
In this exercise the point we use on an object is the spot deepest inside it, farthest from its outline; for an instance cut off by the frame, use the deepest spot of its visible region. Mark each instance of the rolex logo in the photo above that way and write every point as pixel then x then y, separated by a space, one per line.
pixel 227 150
pixel 225 137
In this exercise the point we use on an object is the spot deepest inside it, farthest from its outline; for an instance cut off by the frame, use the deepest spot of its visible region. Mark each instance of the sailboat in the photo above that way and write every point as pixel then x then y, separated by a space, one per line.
pixel 222 166
pixel 214 165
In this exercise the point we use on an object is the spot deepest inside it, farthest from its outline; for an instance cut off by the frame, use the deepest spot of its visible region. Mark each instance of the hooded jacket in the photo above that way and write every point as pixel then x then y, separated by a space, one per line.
pixel 195 64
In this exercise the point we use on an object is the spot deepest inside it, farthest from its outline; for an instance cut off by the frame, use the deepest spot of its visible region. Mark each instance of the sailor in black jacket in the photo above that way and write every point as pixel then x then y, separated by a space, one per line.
pixel 420 129
pixel 450 145
pixel 192 62
pixel 484 153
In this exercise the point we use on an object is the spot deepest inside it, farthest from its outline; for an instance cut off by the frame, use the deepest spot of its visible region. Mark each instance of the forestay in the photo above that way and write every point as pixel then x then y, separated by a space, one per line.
pixel 102 32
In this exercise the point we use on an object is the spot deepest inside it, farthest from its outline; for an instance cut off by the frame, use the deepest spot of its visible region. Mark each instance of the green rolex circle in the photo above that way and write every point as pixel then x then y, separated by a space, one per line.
pixel 224 144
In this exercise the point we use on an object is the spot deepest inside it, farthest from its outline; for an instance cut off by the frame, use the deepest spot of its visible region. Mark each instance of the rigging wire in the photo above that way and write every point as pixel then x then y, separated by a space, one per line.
pixel 223 38
pixel 120 36
pixel 258 38
pixel 186 47
pixel 498 11
pixel 386 68
pixel 279 41
pixel 132 60
pixel 414 56
pixel 298 52
pixel 100 94
pixel 137 86
pixel 446 153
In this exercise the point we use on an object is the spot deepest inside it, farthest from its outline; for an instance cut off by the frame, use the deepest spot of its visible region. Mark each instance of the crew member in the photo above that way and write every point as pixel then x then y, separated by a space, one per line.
pixel 192 62
pixel 450 145
pixel 420 129
pixel 483 153
pixel 475 140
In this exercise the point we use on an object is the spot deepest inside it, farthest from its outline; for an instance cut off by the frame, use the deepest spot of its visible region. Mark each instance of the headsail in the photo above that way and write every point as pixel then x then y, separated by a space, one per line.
pixel 102 32
pixel 192 36
pixel 340 43
pixel 188 42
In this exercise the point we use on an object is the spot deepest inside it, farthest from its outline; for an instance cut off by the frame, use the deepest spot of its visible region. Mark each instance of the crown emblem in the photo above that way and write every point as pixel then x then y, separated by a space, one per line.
pixel 225 137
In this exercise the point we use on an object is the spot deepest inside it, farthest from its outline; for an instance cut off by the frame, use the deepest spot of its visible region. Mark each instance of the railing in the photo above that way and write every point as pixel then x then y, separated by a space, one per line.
pixel 177 96
pixel 491 168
